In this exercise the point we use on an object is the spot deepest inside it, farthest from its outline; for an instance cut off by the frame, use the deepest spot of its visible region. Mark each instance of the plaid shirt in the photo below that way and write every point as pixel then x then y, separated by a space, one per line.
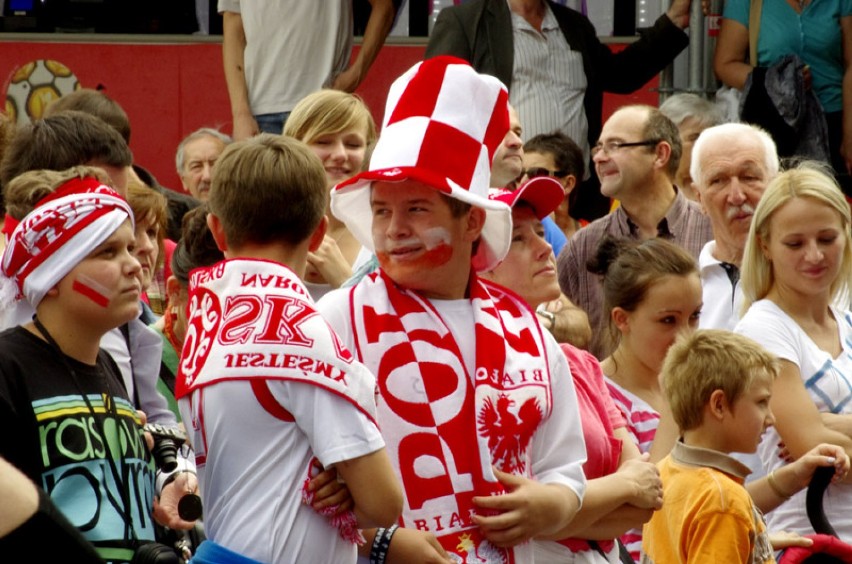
pixel 684 224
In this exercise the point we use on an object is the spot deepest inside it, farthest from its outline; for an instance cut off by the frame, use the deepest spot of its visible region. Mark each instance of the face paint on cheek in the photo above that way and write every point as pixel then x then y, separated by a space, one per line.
pixel 438 252
pixel 91 289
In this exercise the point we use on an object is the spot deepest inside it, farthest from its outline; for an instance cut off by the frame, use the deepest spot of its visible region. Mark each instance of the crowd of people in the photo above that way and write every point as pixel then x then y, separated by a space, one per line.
pixel 497 329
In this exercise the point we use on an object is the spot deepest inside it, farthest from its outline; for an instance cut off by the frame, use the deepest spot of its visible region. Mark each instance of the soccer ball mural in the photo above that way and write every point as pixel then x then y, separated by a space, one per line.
pixel 33 85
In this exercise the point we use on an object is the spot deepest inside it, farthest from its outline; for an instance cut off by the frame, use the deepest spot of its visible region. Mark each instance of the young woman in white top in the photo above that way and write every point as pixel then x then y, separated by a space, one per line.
pixel 798 260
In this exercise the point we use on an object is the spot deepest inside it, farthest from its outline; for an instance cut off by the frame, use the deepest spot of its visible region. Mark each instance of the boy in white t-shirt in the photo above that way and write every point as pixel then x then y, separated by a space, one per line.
pixel 264 385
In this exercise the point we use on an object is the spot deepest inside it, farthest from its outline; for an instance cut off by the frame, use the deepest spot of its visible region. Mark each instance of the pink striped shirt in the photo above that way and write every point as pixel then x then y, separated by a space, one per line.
pixel 642 421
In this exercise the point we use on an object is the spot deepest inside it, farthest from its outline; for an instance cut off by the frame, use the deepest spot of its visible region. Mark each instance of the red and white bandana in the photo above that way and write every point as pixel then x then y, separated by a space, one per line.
pixel 444 427
pixel 60 232
pixel 253 319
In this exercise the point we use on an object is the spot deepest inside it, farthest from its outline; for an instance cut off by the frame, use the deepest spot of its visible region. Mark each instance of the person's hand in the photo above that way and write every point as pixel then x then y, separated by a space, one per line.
pixel 328 491
pixel 820 455
pixel 784 539
pixel 705 7
pixel 143 420
pixel 330 263
pixel 245 126
pixel 528 509
pixel 644 477
pixel 553 306
pixel 546 318
pixel 348 80
pixel 784 453
pixel 411 545
pixel 166 507
pixel 679 13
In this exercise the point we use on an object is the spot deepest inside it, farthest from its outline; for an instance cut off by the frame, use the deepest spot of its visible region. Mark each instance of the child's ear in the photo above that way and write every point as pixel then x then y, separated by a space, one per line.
pixel 318 235
pixel 621 319
pixel 218 231
pixel 718 404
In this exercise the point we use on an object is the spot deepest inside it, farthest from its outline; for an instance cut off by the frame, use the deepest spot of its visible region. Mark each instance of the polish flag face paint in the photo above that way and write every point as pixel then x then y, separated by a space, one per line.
pixel 91 289
pixel 413 255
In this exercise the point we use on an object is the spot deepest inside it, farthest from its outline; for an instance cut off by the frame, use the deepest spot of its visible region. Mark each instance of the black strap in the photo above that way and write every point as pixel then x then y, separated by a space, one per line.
pixel 125 332
pixel 813 500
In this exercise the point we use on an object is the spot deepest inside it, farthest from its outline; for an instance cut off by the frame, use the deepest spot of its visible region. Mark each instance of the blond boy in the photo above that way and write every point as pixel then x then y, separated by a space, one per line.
pixel 718 385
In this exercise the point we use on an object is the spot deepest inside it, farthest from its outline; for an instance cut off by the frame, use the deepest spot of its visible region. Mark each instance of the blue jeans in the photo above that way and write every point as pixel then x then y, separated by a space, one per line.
pixel 272 123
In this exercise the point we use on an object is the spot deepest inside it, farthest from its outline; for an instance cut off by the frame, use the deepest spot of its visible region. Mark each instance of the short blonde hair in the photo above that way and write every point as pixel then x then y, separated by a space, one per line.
pixel 708 360
pixel 808 180
pixel 329 111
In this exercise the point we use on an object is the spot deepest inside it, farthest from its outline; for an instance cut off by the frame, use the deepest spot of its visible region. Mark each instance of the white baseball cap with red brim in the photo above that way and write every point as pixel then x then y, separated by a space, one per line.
pixel 443 123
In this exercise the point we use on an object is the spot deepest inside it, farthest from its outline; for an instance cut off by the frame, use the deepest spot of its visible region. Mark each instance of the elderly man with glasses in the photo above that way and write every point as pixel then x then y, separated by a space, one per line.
pixel 635 158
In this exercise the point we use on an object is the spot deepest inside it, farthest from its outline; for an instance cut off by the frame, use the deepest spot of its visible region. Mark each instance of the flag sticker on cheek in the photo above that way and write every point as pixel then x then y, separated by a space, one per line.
pixel 91 289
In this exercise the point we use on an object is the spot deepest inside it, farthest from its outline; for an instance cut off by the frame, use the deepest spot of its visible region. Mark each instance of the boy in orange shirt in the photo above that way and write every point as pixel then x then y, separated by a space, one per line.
pixel 718 385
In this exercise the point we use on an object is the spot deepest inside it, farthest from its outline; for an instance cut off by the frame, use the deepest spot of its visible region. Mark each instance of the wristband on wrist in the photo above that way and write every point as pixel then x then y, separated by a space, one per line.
pixel 773 483
pixel 381 544
pixel 374 548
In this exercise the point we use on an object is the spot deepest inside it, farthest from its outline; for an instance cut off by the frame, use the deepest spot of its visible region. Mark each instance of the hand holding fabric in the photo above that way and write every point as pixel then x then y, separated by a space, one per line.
pixel 527 510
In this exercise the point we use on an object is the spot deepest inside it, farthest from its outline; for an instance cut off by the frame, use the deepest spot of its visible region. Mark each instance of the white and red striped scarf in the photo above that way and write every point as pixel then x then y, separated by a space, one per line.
pixel 443 426
pixel 253 319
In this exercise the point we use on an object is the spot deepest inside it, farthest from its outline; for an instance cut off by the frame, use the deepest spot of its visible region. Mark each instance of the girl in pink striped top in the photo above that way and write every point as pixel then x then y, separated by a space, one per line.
pixel 652 293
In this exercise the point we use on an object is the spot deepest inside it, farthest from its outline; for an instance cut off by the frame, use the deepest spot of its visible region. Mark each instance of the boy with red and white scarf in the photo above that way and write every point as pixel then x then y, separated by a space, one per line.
pixel 264 386
pixel 475 400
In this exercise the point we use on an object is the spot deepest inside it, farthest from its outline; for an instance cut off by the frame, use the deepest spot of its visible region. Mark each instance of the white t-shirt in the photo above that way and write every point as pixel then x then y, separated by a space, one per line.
pixel 722 297
pixel 558 448
pixel 293 48
pixel 252 496
pixel 828 382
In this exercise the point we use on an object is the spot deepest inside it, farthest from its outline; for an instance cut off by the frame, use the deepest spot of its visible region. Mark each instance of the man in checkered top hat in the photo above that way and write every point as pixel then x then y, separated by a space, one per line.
pixel 475 400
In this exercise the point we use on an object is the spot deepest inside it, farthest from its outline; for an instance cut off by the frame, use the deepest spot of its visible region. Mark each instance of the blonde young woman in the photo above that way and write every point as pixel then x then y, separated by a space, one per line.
pixel 340 130
pixel 796 268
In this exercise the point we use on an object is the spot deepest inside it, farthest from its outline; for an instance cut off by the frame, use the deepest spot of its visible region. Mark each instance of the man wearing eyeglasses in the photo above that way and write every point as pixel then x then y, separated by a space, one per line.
pixel 636 159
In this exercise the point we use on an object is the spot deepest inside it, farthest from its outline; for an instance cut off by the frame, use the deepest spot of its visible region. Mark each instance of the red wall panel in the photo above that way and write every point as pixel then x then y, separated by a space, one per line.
pixel 169 90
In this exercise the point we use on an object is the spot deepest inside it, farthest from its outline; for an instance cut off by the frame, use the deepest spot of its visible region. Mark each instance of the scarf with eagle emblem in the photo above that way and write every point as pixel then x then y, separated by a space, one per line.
pixel 445 426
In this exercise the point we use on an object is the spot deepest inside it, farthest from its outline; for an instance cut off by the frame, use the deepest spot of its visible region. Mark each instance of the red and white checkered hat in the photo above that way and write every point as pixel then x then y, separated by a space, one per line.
pixel 443 124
